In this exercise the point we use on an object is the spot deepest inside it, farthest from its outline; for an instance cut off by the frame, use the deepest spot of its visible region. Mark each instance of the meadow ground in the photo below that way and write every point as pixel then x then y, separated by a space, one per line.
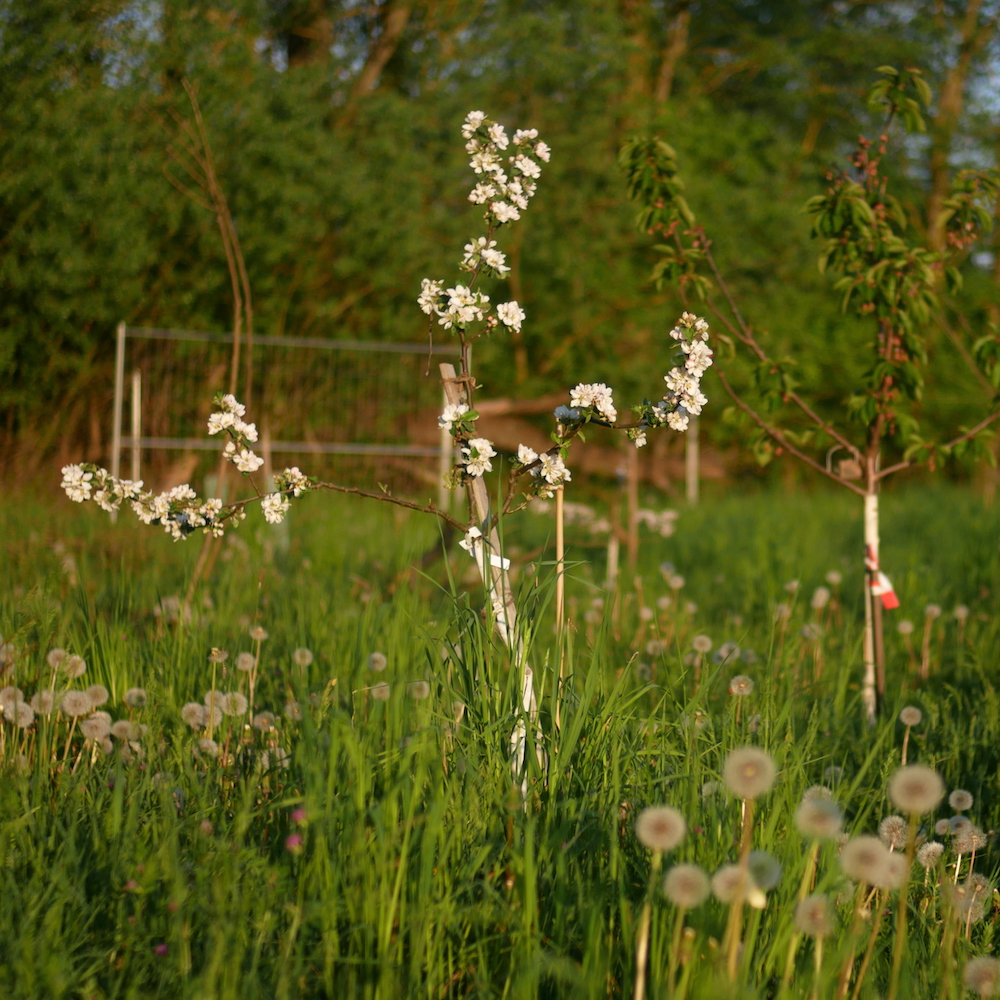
pixel 356 831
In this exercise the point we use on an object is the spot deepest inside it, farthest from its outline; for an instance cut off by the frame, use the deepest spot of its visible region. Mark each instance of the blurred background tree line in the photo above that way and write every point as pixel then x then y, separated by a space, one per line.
pixel 335 129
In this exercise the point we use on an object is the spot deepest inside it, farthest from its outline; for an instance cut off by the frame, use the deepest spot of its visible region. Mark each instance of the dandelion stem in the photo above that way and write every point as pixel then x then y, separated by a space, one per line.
pixel 899 941
pixel 876 927
pixel 642 940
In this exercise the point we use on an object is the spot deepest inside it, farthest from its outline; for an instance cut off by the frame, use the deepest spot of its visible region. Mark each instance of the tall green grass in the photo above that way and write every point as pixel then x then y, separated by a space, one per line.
pixel 394 856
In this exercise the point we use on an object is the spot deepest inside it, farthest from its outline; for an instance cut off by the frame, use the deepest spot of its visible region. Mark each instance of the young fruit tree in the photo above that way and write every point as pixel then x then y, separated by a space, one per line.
pixel 507 169
pixel 886 277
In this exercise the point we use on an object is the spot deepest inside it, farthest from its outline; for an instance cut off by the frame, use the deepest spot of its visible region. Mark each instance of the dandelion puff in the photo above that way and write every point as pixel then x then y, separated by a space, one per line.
pixel 263 721
pixel 814 916
pixel 911 716
pixel 95 728
pixel 55 656
pixel 834 577
pixel 380 691
pixel 834 773
pixel 969 839
pixel 43 702
pixel 930 853
pixel 896 871
pixel 660 828
pixel 958 824
pixel 98 694
pixel 865 859
pixel 701 644
pixel 257 633
pixel 765 869
pixel 960 800
pixel 302 657
pixel 942 827
pixel 982 976
pixel 20 714
pixel 276 757
pixel 293 711
pixel 10 696
pixel 933 611
pixel 749 772
pixel 233 703
pixel 246 662
pixel 194 715
pixel 418 690
pixel 961 612
pixel 820 818
pixel 730 881
pixel 218 655
pixel 820 598
pixel 741 685
pixel 893 831
pixel 73 666
pixel 135 698
pixel 122 729
pixel 916 789
pixel 377 662
pixel 905 627
pixel 687 886
pixel 75 703
pixel 966 902
pixel 213 699
pixel 207 747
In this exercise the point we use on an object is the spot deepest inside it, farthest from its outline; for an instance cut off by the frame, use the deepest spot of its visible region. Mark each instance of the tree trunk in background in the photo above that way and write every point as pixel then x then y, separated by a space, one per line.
pixel 973 37
pixel 677 39
pixel 394 15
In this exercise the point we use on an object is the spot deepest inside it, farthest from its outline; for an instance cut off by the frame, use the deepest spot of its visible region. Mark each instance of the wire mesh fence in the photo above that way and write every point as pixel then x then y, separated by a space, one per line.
pixel 338 408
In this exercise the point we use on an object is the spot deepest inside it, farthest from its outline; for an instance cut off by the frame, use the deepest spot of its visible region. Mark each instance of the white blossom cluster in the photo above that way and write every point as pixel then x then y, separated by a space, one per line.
pixel 179 510
pixel 453 412
pixel 596 397
pixel 506 188
pixel 549 471
pixel 476 455
pixel 684 397
pixel 483 253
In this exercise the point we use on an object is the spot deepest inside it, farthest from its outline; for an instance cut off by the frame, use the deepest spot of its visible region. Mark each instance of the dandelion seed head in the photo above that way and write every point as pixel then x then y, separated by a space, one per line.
pixel 834 773
pixel 820 598
pixel 727 651
pixel 765 869
pixel 233 703
pixel 207 747
pixel 95 728
pixel 960 800
pixel 293 711
pixel 814 916
pixel 834 577
pixel 701 644
pixel 380 691
pixel 275 757
pixel 135 698
pixel 893 832
pixel 257 633
pixel 263 721
pixel 730 881
pixel 905 627
pixel 822 819
pixel 98 694
pixel 676 582
pixel 966 902
pixel 942 827
pixel 749 772
pixel 929 853
pixel 916 789
pixel 418 690
pixel 660 828
pixel 958 824
pixel 55 656
pixel 911 716
pixel 897 869
pixel 865 859
pixel 782 612
pixel 122 729
pixel 982 976
pixel 933 611
pixel 246 662
pixel 741 685
pixel 218 655
pixel 377 662
pixel 302 657
pixel 194 715
pixel 10 696
pixel 687 886
pixel 961 612
pixel 75 703
pixel 43 702
pixel 73 666
pixel 969 839
pixel 21 714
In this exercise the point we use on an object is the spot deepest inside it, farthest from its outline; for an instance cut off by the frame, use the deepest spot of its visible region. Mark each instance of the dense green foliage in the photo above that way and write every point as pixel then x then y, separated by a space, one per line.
pixel 335 131
pixel 156 871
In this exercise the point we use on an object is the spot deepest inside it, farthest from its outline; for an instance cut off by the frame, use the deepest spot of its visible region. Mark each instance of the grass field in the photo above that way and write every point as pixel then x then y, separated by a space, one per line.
pixel 370 840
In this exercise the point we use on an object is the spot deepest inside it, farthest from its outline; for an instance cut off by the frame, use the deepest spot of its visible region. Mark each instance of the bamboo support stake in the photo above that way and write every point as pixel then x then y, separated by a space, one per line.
pixel 497 584
pixel 136 422
pixel 560 598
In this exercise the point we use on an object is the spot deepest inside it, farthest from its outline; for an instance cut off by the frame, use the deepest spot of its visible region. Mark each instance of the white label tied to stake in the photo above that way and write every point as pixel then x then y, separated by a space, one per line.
pixel 473 544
